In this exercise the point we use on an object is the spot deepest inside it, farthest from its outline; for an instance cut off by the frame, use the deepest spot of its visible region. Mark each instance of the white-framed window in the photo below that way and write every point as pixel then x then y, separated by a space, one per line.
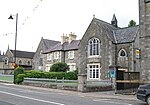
pixel 94 47
pixel 49 56
pixel 48 66
pixel 122 53
pixel 94 71
pixel 6 61
pixel 71 54
pixel 72 66
pixel 56 55
pixel 41 52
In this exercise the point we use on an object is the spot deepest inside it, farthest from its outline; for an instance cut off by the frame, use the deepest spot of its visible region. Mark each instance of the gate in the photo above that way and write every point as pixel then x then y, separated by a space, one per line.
pixel 127 80
pixel 119 76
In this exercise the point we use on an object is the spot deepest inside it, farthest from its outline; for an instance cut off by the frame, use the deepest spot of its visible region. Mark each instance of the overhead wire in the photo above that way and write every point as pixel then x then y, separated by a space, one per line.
pixel 26 19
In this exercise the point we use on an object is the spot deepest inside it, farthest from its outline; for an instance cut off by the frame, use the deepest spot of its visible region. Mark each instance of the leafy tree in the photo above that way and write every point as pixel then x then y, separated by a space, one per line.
pixel 132 23
pixel 59 67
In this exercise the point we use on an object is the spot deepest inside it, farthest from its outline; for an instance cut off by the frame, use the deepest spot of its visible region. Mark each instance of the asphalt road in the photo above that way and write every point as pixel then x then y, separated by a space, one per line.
pixel 12 95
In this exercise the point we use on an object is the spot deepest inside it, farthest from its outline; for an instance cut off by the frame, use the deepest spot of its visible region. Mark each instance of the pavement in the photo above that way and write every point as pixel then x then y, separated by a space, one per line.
pixel 100 95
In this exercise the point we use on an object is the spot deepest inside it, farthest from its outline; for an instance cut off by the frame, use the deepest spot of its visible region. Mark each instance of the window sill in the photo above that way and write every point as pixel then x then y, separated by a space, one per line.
pixel 97 56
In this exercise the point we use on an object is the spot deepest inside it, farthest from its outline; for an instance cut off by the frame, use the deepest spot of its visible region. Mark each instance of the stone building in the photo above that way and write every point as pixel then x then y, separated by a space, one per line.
pixel 23 58
pixel 144 38
pixel 39 62
pixel 103 45
pixel 64 51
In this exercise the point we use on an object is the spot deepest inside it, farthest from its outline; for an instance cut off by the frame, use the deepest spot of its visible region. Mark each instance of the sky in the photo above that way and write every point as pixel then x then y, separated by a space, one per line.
pixel 51 18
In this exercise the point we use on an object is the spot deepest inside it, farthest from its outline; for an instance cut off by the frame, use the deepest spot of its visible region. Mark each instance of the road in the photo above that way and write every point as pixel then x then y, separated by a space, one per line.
pixel 19 95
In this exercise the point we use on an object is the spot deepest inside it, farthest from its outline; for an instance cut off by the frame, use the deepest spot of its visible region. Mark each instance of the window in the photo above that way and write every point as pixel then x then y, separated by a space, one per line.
pixel 94 71
pixel 41 62
pixel 94 47
pixel 49 56
pixel 20 62
pixel 122 53
pixel 28 62
pixel 41 52
pixel 71 54
pixel 6 61
pixel 56 55
pixel 72 66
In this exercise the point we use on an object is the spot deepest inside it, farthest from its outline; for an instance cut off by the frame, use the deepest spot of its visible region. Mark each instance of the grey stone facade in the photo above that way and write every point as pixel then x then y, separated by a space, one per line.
pixel 117 47
pixel 39 59
pixel 144 39
pixel 61 53
pixel 23 58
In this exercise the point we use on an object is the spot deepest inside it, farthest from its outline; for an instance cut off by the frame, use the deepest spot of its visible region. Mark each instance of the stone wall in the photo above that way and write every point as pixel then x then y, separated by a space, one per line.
pixel 144 39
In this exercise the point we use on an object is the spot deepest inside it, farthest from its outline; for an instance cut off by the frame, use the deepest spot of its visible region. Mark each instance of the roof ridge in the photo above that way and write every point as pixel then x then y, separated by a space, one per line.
pixel 105 22
pixel 51 40
pixel 127 27
pixel 22 51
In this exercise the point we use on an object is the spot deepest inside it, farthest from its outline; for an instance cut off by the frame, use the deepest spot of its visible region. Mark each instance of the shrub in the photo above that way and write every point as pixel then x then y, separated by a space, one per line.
pixel 17 71
pixel 72 76
pixel 59 67
pixel 19 78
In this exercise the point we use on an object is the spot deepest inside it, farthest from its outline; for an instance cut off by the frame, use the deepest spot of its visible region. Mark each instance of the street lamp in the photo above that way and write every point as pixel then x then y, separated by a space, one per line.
pixel 11 17
pixel 15 65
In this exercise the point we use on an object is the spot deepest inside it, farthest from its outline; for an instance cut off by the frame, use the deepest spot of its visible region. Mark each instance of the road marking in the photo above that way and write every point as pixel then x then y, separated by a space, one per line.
pixel 106 101
pixel 101 99
pixel 50 102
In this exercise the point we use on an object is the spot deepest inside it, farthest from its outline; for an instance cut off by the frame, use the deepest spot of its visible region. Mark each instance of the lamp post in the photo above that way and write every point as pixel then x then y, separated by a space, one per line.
pixel 11 17
pixel 15 65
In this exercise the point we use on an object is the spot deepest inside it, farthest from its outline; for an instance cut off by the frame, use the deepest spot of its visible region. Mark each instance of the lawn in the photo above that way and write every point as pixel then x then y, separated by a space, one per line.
pixel 7 78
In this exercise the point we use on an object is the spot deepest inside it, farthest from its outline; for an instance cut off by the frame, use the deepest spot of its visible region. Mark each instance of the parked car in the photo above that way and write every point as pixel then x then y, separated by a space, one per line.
pixel 143 93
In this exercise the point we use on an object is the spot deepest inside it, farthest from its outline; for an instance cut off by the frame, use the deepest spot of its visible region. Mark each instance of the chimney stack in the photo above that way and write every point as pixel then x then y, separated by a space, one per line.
pixel 72 37
pixel 64 39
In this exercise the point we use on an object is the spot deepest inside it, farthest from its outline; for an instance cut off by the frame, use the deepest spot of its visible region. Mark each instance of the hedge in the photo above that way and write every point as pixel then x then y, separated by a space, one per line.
pixel 51 75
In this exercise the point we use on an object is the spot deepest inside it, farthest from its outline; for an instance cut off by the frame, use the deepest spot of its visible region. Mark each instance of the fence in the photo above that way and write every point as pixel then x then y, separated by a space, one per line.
pixel 6 78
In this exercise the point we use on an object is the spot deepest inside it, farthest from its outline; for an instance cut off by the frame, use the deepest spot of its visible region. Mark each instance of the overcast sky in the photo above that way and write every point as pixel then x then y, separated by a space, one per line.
pixel 51 18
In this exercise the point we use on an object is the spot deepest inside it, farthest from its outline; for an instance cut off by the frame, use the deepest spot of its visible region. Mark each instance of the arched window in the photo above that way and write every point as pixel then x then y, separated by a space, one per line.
pixel 28 62
pixel 20 62
pixel 122 53
pixel 94 47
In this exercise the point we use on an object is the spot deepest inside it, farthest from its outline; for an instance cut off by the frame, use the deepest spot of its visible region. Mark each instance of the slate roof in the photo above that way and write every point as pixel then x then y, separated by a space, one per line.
pixel 2 57
pixel 107 27
pixel 118 35
pixel 49 43
pixel 23 54
pixel 65 46
pixel 125 35
pixel 71 46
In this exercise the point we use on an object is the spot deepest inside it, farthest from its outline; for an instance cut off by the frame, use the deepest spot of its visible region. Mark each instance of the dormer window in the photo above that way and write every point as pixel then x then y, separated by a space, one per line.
pixel 94 47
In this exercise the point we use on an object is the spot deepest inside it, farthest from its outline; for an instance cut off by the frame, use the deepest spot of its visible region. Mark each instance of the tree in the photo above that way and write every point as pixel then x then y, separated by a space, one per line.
pixel 132 23
pixel 59 67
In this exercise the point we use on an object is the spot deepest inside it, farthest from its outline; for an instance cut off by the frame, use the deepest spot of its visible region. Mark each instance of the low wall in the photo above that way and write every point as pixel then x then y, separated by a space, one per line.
pixel 67 84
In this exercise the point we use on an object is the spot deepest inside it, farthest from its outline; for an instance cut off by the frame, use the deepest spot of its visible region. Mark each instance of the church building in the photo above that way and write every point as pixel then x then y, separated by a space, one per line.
pixel 105 45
